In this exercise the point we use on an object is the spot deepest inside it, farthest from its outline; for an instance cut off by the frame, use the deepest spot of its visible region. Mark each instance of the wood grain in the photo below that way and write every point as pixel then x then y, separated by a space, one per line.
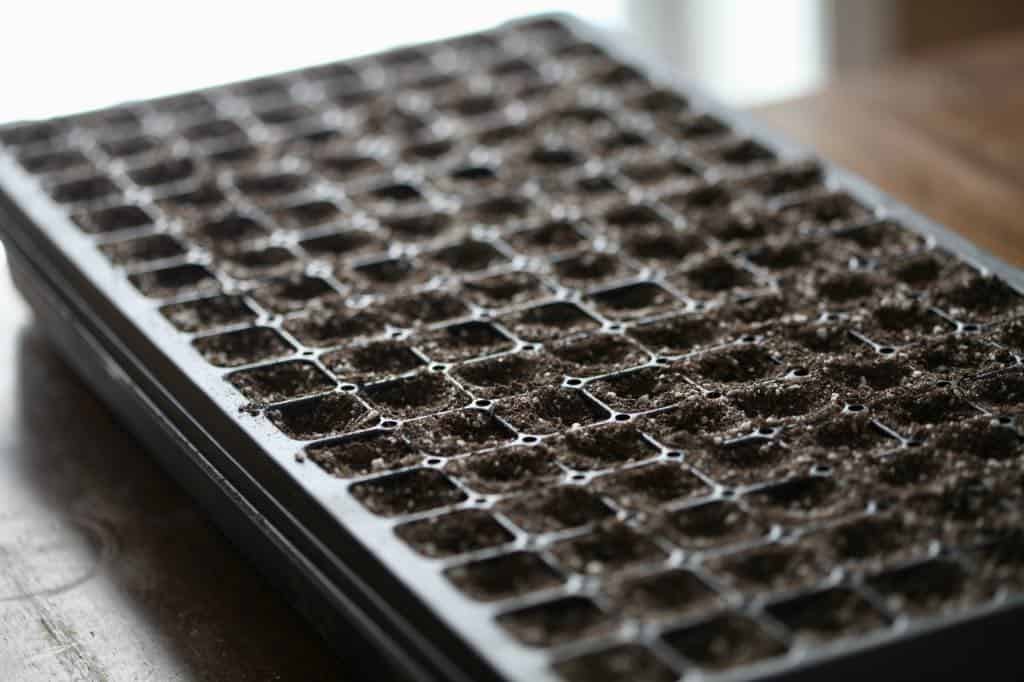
pixel 944 133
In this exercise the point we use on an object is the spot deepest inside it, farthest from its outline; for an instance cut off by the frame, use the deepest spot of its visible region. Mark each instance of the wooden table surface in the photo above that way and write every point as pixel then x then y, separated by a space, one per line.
pixel 109 572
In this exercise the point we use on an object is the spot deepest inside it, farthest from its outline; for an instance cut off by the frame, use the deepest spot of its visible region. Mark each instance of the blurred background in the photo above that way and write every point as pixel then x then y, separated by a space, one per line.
pixel 63 57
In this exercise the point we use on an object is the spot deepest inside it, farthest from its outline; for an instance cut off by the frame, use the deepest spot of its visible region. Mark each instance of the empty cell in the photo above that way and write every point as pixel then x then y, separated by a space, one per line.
pixel 294 293
pixel 733 364
pixel 474 105
pixel 1002 391
pixel 288 114
pixel 910 467
pixel 457 433
pixel 208 313
pixel 828 210
pixel 590 268
pixel 742 153
pixel 226 232
pixel 165 172
pixel 430 149
pixel 601 447
pixel 371 361
pixel 631 217
pixel 680 334
pixel 646 487
pixel 474 174
pixel 846 287
pixel 200 198
pixel 744 460
pixel 422 308
pixel 234 156
pixel 956 355
pixel 500 209
pixel 393 273
pixel 501 134
pixel 710 524
pixel 272 261
pixel 796 177
pixel 728 640
pixel 268 185
pixel 982 437
pixel 1000 560
pixel 661 102
pixel 661 247
pixel 324 327
pixel 243 347
pixel 926 588
pixel 503 290
pixel 695 201
pixel 781 256
pixel 622 663
pixel 551 237
pixel 806 497
pixel 697 414
pixel 597 354
pixel 176 280
pixel 672 593
pixel 415 395
pixel 607 549
pixel 394 192
pixel 503 577
pixel 548 410
pixel 407 492
pixel 509 374
pixel 456 533
pixel 320 417
pixel 506 469
pixel 37 132
pixel 855 373
pixel 647 388
pixel 548 321
pixel 417 225
pixel 819 337
pixel 469 256
pixel 554 157
pixel 556 622
pixel 93 188
pixel 769 568
pixel 781 399
pixel 281 381
pixel 923 404
pixel 216 131
pixel 308 214
pixel 969 295
pixel 556 508
pixel 54 161
pixel 713 276
pixel 462 341
pixel 652 171
pixel 897 319
pixel 142 250
pixel 827 615
pixel 875 538
pixel 342 245
pixel 882 239
pixel 699 127
pixel 363 453
pixel 348 166
pixel 123 217
pixel 632 301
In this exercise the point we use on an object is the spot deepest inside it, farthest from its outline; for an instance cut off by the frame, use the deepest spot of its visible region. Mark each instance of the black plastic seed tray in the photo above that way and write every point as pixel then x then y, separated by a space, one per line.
pixel 523 363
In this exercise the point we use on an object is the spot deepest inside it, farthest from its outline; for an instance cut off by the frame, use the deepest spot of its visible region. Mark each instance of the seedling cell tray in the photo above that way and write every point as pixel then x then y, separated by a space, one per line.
pixel 521 362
